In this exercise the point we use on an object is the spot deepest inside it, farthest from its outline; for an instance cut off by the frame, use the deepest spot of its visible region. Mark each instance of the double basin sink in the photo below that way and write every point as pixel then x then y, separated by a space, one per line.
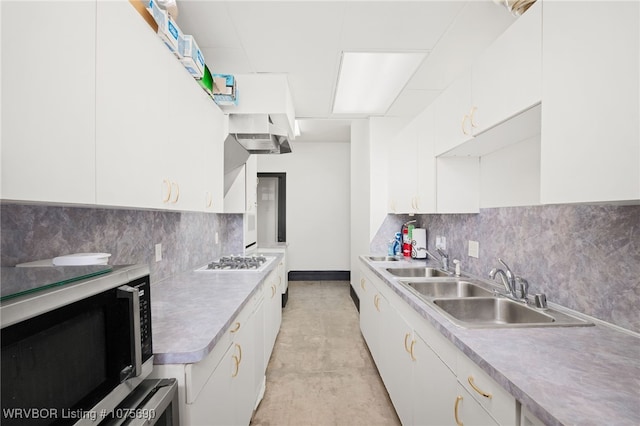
pixel 469 304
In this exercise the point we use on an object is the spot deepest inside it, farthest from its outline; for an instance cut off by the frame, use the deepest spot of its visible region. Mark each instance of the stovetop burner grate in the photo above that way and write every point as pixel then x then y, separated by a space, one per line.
pixel 238 263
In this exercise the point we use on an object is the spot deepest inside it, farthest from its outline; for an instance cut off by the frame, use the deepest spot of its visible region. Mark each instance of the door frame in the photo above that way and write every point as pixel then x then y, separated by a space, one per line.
pixel 282 202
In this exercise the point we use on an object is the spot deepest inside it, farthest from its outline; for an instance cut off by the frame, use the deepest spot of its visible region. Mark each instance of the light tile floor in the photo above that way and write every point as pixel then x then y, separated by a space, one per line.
pixel 321 372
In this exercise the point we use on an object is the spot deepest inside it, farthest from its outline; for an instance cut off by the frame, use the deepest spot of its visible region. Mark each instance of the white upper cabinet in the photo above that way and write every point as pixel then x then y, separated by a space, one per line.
pixel 159 137
pixel 403 182
pixel 454 115
pixel 412 167
pixel 507 78
pixel 425 200
pixel 503 83
pixel 132 112
pixel 195 142
pixel 48 101
pixel 590 141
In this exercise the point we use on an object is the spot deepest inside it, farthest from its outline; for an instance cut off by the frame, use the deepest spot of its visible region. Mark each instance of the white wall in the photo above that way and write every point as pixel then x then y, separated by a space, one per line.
pixel 318 204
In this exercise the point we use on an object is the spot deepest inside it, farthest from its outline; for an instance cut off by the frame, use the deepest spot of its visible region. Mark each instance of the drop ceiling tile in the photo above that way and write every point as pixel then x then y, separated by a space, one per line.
pixel 411 102
pixel 311 102
pixel 208 22
pixel 393 25
pixel 227 60
pixel 292 26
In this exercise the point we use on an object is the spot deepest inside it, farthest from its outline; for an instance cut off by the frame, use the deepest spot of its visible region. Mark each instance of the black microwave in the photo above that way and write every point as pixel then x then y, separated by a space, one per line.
pixel 72 353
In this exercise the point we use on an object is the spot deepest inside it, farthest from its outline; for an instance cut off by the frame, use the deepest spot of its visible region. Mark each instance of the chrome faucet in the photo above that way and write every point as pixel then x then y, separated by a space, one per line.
pixel 444 258
pixel 512 283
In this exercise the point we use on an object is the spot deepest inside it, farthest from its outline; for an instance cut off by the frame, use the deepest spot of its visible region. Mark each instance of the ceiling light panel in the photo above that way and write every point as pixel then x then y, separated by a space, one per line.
pixel 369 82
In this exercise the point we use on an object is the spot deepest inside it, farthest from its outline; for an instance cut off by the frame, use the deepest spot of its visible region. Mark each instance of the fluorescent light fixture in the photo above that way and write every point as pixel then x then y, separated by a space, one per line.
pixel 369 82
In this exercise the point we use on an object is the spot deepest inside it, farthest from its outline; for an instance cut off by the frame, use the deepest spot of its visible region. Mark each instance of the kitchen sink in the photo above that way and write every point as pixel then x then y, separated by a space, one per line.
pixel 419 272
pixel 382 258
pixel 497 312
pixel 441 289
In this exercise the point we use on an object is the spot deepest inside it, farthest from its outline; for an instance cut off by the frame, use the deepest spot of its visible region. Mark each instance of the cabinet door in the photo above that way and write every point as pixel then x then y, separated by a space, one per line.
pixel 453 115
pixel 369 316
pixel 132 149
pixel 215 133
pixel 48 101
pixel 403 179
pixel 590 149
pixel 396 365
pixel 468 411
pixel 435 385
pixel 425 201
pixel 243 386
pixel 507 78
pixel 273 313
pixel 215 403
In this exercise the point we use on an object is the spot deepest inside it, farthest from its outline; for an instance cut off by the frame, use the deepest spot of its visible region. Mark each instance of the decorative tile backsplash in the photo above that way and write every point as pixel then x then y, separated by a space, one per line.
pixel 584 257
pixel 33 232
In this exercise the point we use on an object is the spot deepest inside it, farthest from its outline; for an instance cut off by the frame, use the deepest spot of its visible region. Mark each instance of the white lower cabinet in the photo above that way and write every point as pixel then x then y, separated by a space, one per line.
pixel 429 381
pixel 226 386
pixel 272 313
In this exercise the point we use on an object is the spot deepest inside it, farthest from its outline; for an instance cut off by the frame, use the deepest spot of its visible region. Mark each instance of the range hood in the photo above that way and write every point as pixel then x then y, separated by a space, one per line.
pixel 258 135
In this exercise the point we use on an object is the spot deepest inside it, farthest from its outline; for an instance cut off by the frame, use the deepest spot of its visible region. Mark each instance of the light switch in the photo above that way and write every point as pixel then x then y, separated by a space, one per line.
pixel 158 252
pixel 474 249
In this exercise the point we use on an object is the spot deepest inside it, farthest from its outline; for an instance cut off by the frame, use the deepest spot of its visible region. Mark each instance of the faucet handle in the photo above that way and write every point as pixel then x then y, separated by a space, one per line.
pixel 524 287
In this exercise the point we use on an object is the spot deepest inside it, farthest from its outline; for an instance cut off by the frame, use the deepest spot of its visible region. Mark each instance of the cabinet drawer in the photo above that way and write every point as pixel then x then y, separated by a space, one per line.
pixel 491 396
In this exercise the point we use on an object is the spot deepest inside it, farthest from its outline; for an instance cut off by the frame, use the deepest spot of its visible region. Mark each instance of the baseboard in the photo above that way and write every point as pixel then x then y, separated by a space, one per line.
pixel 355 298
pixel 319 275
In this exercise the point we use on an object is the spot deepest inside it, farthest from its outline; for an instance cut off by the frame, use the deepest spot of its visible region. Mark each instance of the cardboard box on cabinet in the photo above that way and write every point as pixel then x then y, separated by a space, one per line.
pixel 168 30
pixel 225 91
pixel 192 58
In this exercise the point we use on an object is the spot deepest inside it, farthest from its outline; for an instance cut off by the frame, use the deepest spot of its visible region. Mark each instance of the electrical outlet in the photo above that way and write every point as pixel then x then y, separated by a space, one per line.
pixel 216 238
pixel 441 242
pixel 158 252
pixel 474 249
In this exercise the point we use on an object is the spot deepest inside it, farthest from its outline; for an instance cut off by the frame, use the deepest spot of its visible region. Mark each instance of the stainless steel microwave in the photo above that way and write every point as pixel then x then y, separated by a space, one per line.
pixel 72 353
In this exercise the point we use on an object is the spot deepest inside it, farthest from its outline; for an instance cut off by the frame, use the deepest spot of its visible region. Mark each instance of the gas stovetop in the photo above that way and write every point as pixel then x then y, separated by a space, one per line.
pixel 255 263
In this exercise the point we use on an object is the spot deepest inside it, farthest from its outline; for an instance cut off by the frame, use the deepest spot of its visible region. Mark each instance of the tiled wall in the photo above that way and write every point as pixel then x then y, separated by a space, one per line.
pixel 33 232
pixel 584 257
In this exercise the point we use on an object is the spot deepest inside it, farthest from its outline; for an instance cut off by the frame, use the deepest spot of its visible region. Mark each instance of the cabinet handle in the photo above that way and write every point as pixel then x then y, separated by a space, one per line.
pixel 209 199
pixel 237 363
pixel 464 119
pixel 239 348
pixel 455 411
pixel 167 185
pixel 473 111
pixel 362 284
pixel 475 388
pixel 273 291
pixel 413 342
pixel 175 200
pixel 376 301
pixel 409 349
pixel 237 327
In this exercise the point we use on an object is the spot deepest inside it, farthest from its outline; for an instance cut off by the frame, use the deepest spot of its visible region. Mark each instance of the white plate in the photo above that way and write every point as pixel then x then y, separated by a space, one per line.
pixel 77 259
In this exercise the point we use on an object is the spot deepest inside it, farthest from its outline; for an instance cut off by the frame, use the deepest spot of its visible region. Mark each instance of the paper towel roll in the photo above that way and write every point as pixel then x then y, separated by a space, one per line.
pixel 419 243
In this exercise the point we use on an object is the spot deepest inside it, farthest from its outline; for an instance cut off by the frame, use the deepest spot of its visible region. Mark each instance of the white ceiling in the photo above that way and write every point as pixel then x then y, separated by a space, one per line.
pixel 304 39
